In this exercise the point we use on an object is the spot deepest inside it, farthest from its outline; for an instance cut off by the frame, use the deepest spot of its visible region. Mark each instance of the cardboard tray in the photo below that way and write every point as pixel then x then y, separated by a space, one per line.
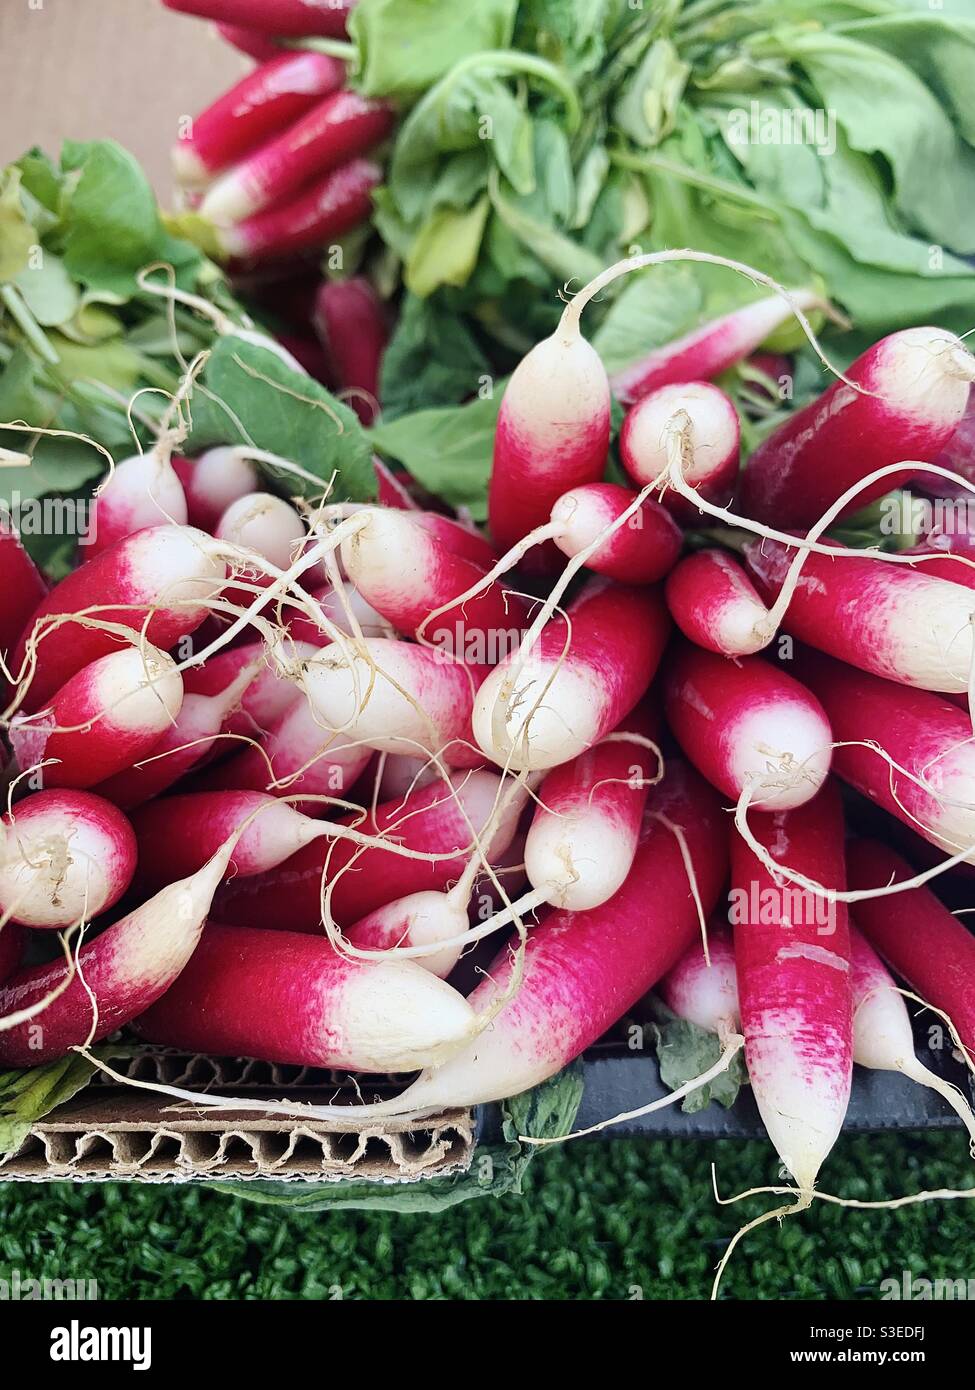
pixel 109 1133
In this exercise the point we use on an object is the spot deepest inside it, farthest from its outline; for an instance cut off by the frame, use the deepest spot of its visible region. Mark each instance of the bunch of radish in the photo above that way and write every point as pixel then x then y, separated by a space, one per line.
pixel 260 763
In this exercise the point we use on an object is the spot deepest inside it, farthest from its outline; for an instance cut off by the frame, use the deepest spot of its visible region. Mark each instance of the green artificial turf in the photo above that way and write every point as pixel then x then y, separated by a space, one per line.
pixel 597 1220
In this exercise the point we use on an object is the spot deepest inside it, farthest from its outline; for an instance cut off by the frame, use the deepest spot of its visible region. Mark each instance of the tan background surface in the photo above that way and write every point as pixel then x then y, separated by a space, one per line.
pixel 86 69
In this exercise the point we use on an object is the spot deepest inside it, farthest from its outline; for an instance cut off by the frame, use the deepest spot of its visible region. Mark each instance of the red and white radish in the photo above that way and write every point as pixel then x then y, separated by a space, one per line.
pixel 211 483
pixel 715 604
pixel 267 696
pixel 289 18
pixel 12 940
pixel 900 623
pixel 142 491
pixel 266 524
pixel 712 443
pixel 640 551
pixel 159 580
pixel 917 936
pixel 704 988
pixel 437 820
pixel 351 325
pixel 268 99
pixel 22 586
pixel 285 997
pixel 46 1010
pixel 328 208
pixel 555 698
pixel 103 719
pixel 65 857
pixel 709 350
pixel 748 726
pixel 586 828
pixel 914 390
pixel 794 984
pixel 257 45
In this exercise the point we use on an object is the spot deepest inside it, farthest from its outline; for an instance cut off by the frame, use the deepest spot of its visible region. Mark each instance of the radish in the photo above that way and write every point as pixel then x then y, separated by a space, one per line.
pixel 337 614
pixel 552 435
pixel 266 524
pixel 418 920
pixel 908 750
pixel 715 604
pixel 892 620
pixel 255 44
pixel 704 988
pixel 142 491
pixel 116 977
pixel 391 488
pixel 882 1035
pixel 288 998
pixel 165 575
pixel 406 574
pixel 103 719
pixel 748 726
pixel 213 482
pixel 334 131
pixel 11 950
pixel 546 704
pixel 586 828
pixel 458 538
pixel 188 740
pixel 350 322
pixel 270 97
pixel 267 696
pixel 396 697
pixel 914 391
pixel 641 551
pixel 713 436
pixel 65 857
pixel 22 586
pixel 290 18
pixel 436 820
pixel 584 970
pixel 297 757
pixel 794 987
pixel 917 936
pixel 328 208
pixel 709 350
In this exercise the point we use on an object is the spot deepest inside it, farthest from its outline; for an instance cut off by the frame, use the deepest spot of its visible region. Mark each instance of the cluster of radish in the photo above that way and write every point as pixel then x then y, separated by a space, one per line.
pixel 287 770
pixel 282 165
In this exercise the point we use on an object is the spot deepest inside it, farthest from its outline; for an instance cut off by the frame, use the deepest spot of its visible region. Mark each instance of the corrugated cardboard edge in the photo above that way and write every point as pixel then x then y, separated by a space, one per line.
pixel 108 1133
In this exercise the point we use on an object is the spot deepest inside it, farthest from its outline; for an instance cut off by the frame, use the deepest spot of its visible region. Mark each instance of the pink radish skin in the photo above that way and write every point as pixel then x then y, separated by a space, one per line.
pixel 65 857
pixel 213 482
pixel 794 983
pixel 916 388
pixel 334 131
pixel 124 970
pixel 552 435
pixel 417 920
pixel 715 604
pixel 584 970
pixel 916 935
pixel 305 759
pixel 261 47
pixel 707 351
pixel 405 573
pixel 617 637
pixel 925 734
pixel 263 702
pixel 284 997
pixel 364 694
pixel 289 18
pixel 187 742
pixel 328 208
pixel 22 587
pixel 459 539
pixel 586 827
pixel 144 490
pixel 272 96
pixel 351 324
pixel 747 725
pixel 12 940
pixel 391 491
pixel 714 437
pixel 894 621
pixel 432 820
pixel 706 995
pixel 641 551
pixel 303 629
pixel 165 575
pixel 103 719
